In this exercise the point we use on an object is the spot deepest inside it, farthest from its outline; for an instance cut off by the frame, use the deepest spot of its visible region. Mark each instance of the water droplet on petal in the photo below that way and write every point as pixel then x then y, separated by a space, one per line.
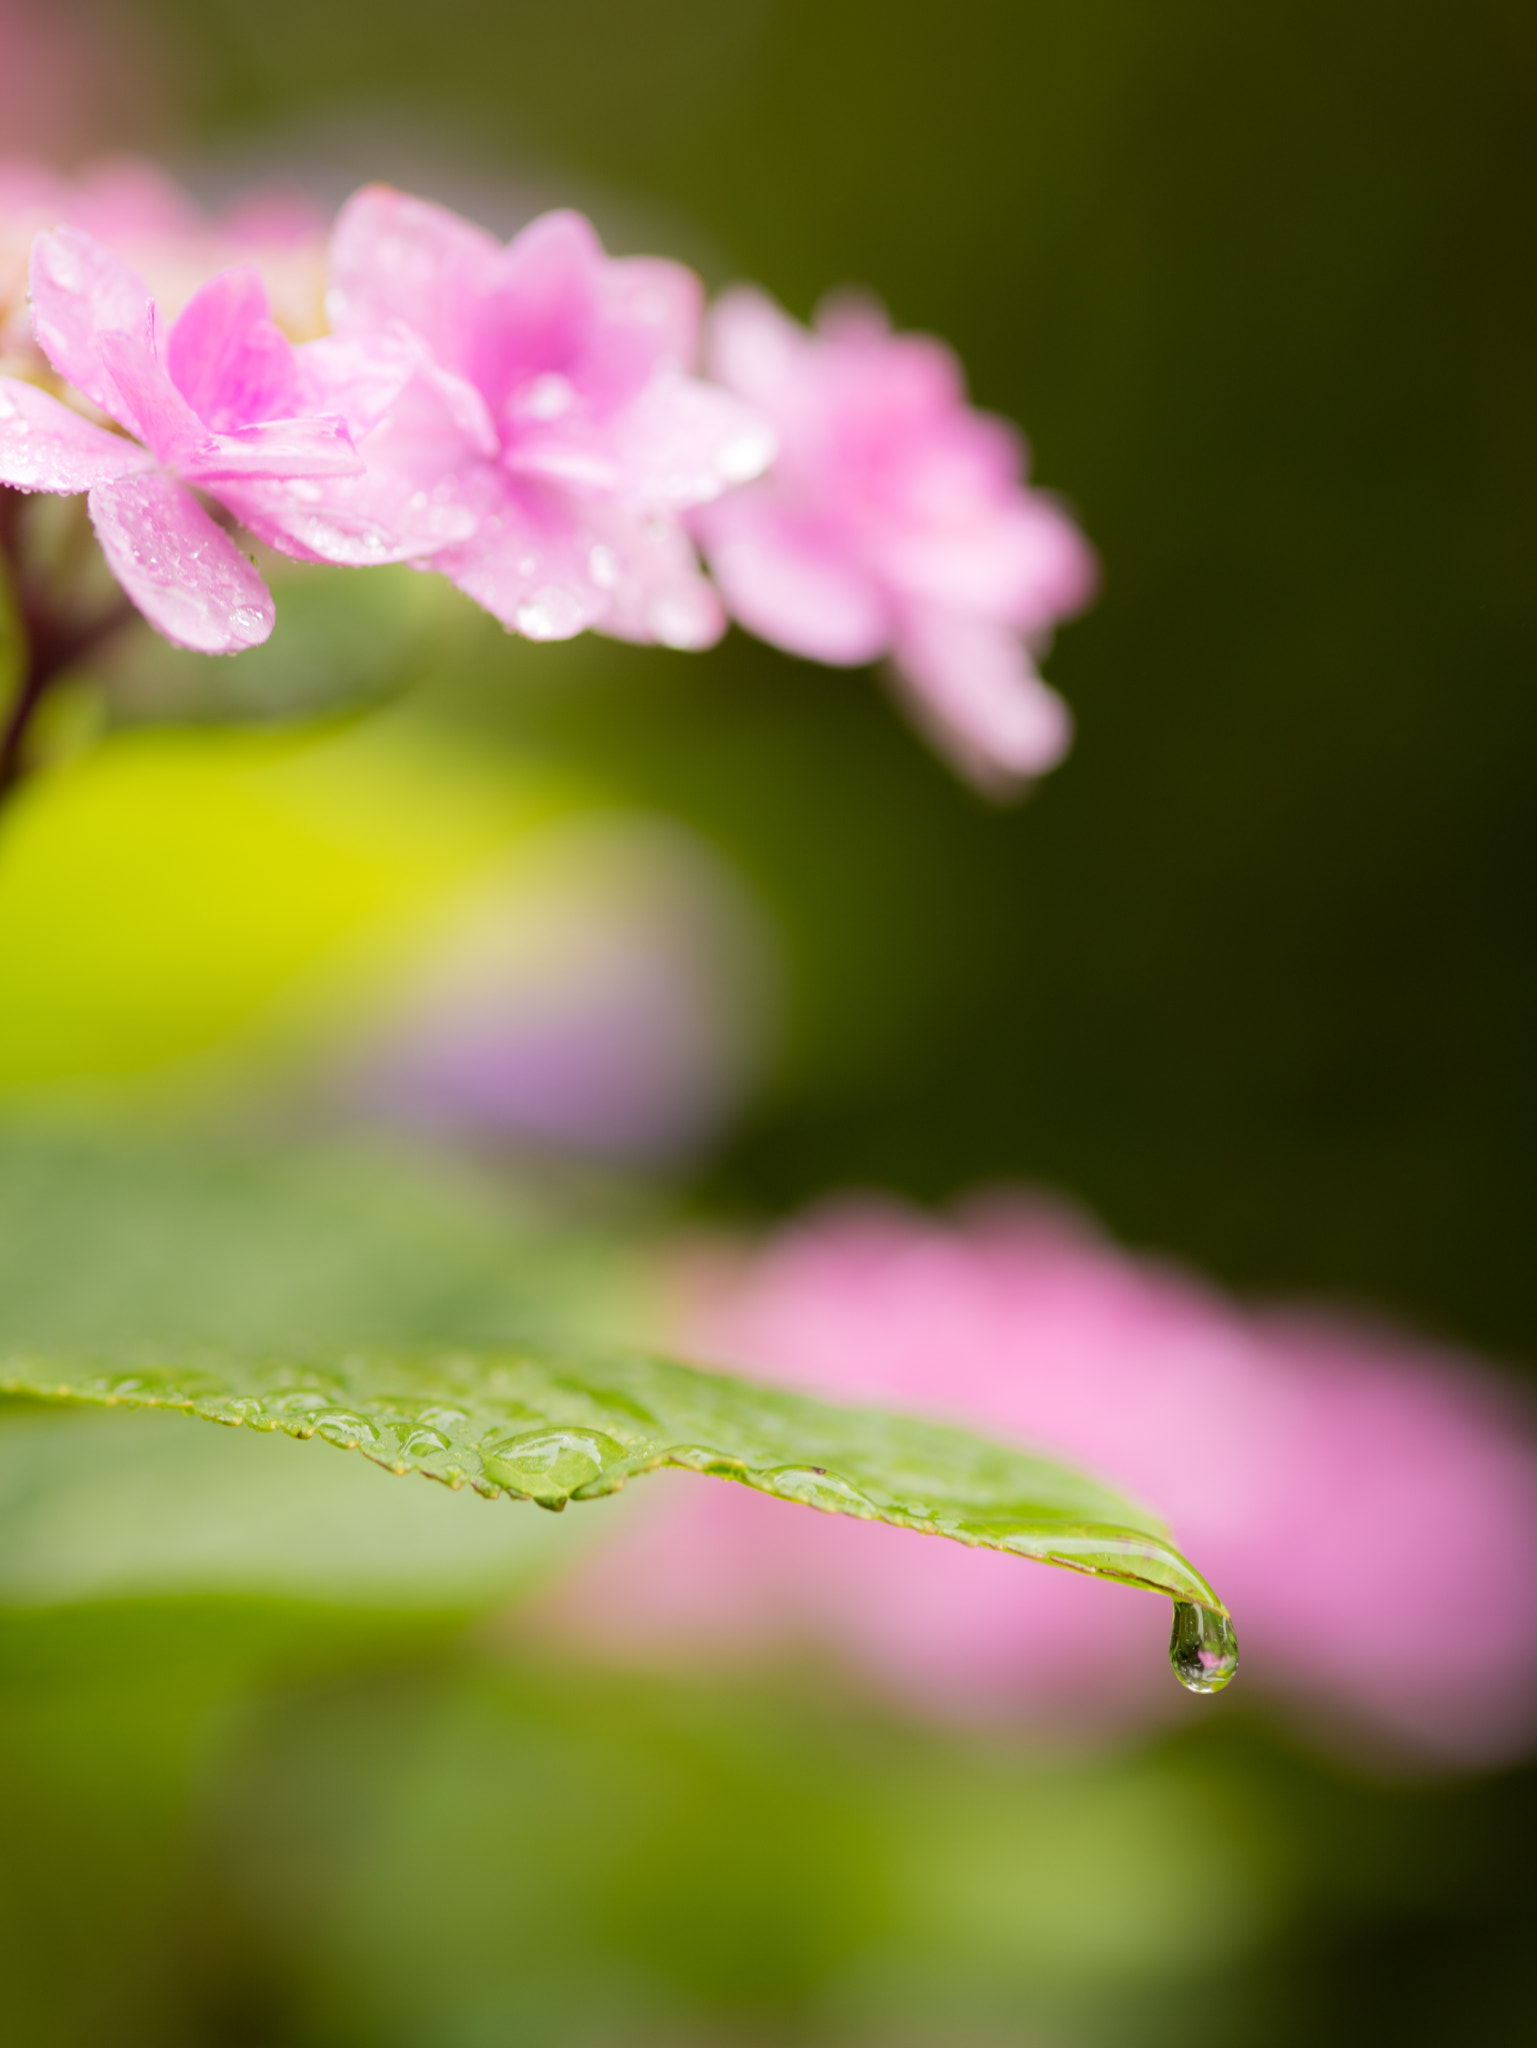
pixel 747 456
pixel 603 567
pixel 1203 1647
pixel 547 397
pixel 550 614
pixel 678 624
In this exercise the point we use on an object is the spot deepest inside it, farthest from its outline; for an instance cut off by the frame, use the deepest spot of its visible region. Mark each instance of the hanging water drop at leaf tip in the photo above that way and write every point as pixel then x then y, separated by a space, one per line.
pixel 1203 1648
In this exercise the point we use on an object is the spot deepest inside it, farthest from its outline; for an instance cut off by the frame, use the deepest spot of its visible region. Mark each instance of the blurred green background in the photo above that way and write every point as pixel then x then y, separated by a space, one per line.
pixel 1252 976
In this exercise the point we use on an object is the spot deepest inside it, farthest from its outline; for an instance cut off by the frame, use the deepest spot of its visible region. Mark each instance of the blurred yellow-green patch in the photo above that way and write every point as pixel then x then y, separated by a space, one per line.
pixel 172 892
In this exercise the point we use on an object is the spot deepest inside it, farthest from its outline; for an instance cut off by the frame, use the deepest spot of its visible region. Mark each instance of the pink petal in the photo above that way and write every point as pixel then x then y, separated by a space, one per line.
pixel 423 487
pixel 317 446
pixel 358 377
pixel 788 581
pixel 396 258
pixel 663 299
pixel 1023 562
pixel 752 347
pixel 144 398
pixel 547 291
pixel 187 577
pixel 971 685
pixel 228 359
pixel 530 565
pixel 356 522
pixel 560 324
pixel 682 443
pixel 656 591
pixel 81 292
pixel 46 447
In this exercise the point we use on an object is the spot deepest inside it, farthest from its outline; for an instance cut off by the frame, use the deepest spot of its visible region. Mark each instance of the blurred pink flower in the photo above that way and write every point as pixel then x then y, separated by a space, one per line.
pixel 604 995
pixel 224 402
pixel 895 521
pixel 580 436
pixel 1365 1503
pixel 144 217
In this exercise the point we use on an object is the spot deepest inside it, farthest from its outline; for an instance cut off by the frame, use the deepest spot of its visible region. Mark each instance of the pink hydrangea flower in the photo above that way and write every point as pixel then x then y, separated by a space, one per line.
pixel 1365 1503
pixel 580 436
pixel 222 402
pixel 895 522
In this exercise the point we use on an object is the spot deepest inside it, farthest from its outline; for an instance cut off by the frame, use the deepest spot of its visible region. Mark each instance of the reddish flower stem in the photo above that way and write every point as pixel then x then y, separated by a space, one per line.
pixel 53 642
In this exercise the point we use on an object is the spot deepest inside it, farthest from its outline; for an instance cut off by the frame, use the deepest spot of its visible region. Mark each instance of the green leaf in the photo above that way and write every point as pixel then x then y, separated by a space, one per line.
pixel 507 1420
pixel 97 1505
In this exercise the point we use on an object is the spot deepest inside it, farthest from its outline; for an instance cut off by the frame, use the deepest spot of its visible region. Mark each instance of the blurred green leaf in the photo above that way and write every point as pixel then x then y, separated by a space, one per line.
pixel 177 895
pixel 342 639
pixel 95 1506
pixel 540 1427
pixel 113 1233
pixel 301 1294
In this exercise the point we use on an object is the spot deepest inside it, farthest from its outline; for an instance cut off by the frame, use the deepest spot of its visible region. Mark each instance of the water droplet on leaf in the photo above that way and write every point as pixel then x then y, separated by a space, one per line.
pixel 1203 1647
pixel 547 1464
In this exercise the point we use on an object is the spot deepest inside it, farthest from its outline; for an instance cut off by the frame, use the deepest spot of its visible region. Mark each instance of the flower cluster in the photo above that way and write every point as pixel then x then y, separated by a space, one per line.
pixel 1366 1502
pixel 530 421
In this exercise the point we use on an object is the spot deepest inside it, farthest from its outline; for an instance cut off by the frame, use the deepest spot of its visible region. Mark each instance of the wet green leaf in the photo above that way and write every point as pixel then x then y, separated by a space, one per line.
pixel 503 1419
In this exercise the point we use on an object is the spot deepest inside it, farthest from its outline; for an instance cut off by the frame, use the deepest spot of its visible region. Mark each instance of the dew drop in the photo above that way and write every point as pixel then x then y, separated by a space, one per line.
pixel 423 1442
pixel 301 1401
pixel 548 397
pixel 240 1408
pixel 815 1487
pixel 747 456
pixel 1203 1648
pixel 549 614
pixel 546 1464
pixel 677 624
pixel 341 1426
